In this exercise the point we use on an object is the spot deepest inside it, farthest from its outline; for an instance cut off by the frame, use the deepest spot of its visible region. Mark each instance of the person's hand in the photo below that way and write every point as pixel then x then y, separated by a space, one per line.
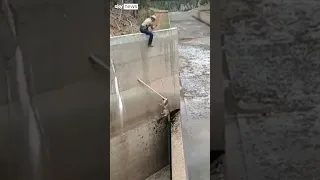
pixel 153 27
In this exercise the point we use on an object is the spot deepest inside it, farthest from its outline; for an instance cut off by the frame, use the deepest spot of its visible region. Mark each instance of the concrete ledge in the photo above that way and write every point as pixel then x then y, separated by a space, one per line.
pixel 138 37
pixel 202 8
pixel 201 16
pixel 161 11
pixel 178 164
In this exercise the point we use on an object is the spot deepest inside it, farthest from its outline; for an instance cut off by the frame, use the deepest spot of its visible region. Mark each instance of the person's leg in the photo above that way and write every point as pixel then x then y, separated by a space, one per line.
pixel 150 39
pixel 147 32
pixel 142 29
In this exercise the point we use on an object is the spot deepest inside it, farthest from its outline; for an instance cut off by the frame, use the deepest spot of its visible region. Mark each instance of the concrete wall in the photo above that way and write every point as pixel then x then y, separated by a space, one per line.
pixel 201 16
pixel 140 146
pixel 178 162
pixel 56 38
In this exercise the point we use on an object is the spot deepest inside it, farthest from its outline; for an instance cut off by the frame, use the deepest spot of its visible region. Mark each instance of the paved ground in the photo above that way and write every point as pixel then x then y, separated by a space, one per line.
pixel 272 50
pixel 194 50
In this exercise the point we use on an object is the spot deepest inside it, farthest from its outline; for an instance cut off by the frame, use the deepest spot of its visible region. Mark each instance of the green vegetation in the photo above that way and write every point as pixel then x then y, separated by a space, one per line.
pixel 142 15
pixel 162 16
pixel 153 10
pixel 164 24
pixel 178 5
pixel 143 3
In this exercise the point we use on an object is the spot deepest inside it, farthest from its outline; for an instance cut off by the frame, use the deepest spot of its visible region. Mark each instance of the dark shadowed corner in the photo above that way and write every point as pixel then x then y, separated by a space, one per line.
pixel 217 101
pixel 54 106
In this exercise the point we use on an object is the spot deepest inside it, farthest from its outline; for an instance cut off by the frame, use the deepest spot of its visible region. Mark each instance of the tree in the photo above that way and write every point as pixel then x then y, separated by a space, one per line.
pixel 113 2
pixel 144 3
pixel 201 2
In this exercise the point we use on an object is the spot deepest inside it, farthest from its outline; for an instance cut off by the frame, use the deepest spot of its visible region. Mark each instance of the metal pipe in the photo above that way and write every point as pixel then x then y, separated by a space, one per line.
pixel 164 98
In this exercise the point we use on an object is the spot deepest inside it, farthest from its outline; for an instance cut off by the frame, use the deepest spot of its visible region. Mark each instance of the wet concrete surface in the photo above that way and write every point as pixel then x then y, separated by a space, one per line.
pixel 272 54
pixel 194 51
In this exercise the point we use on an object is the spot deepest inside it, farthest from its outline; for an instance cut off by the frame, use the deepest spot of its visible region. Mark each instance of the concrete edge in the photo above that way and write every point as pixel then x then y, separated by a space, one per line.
pixel 201 8
pixel 201 16
pixel 161 11
pixel 205 11
pixel 178 164
pixel 136 37
pixel 234 167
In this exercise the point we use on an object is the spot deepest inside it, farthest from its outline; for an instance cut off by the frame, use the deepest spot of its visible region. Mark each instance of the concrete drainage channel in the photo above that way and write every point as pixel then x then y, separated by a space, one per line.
pixel 146 143
pixel 201 14
pixel 217 157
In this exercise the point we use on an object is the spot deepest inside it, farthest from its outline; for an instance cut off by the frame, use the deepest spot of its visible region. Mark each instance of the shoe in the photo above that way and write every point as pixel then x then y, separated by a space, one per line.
pixel 150 46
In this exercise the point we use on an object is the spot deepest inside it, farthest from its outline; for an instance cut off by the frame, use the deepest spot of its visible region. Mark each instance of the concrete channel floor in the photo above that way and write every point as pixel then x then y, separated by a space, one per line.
pixel 194 51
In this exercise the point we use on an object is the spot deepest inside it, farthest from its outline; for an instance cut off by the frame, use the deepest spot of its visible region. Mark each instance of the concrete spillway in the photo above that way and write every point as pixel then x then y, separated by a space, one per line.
pixel 139 141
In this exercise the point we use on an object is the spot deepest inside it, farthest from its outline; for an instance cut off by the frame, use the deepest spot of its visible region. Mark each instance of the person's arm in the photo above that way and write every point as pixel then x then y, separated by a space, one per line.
pixel 153 26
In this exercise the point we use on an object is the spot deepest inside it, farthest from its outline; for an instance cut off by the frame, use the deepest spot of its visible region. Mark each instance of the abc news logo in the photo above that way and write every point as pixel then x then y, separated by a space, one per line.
pixel 127 6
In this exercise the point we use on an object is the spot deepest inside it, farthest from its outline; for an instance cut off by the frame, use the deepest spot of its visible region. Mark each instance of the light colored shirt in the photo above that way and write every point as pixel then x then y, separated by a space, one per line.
pixel 147 22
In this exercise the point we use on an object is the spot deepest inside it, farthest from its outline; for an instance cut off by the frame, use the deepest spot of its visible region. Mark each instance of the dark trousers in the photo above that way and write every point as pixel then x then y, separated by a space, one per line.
pixel 144 29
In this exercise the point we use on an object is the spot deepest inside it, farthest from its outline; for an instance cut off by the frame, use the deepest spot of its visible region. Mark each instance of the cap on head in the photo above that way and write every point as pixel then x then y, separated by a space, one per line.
pixel 154 17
